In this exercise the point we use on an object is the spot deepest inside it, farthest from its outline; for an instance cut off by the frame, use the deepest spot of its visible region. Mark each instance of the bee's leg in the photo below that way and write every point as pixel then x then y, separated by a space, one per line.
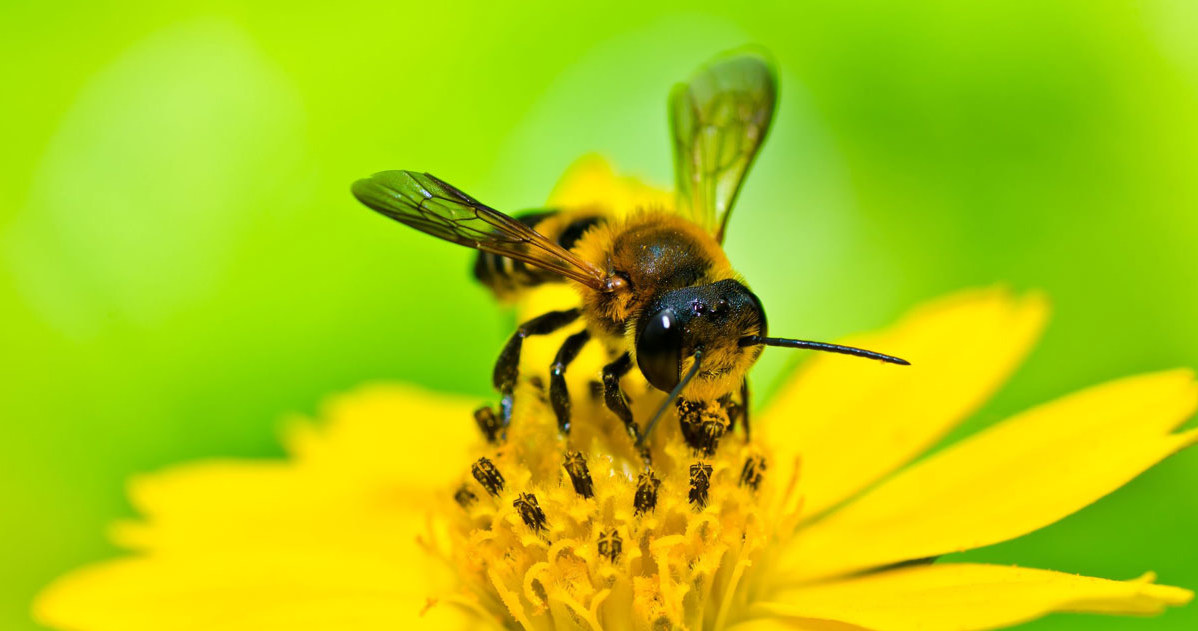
pixel 614 396
pixel 738 410
pixel 731 408
pixel 744 406
pixel 559 394
pixel 507 367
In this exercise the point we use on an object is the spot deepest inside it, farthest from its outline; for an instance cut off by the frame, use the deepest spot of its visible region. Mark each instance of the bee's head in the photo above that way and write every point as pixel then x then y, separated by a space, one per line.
pixel 709 318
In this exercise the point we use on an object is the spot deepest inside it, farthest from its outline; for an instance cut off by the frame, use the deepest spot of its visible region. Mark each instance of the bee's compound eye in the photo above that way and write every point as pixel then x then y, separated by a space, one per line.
pixel 659 350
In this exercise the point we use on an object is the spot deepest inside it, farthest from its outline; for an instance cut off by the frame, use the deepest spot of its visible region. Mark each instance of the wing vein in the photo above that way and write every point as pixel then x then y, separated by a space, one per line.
pixel 433 206
pixel 719 120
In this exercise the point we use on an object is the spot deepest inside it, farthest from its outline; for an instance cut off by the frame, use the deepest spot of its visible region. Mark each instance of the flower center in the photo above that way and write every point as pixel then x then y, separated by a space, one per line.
pixel 553 532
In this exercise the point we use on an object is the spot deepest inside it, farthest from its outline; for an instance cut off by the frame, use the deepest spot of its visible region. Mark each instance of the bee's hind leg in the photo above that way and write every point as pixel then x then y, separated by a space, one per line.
pixel 507 367
pixel 614 396
pixel 559 393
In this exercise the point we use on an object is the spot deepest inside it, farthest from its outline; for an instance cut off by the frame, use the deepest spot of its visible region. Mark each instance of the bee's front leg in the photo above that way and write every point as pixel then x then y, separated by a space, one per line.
pixel 614 396
pixel 507 367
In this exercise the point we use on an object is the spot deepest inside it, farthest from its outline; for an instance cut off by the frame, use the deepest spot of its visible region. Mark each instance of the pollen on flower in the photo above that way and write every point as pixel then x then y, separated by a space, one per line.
pixel 703 423
pixel 700 483
pixel 752 472
pixel 488 476
pixel 530 511
pixel 488 423
pixel 576 465
pixel 645 499
pixel 464 497
pixel 581 531
pixel 610 544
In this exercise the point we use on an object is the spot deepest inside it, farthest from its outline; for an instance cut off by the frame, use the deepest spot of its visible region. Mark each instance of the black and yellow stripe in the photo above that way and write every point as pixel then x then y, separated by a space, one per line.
pixel 506 277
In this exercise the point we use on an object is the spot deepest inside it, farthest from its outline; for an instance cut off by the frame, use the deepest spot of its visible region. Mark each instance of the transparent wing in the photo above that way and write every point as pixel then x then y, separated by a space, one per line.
pixel 434 207
pixel 719 120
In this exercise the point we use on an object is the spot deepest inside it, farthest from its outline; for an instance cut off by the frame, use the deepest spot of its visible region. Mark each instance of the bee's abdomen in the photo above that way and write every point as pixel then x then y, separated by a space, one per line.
pixel 506 276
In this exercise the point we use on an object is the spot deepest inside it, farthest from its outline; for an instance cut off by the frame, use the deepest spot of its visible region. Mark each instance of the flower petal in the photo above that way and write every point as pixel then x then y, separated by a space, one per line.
pixel 966 597
pixel 234 593
pixel 591 181
pixel 853 421
pixel 326 540
pixel 793 624
pixel 362 478
pixel 265 506
pixel 1011 479
pixel 398 432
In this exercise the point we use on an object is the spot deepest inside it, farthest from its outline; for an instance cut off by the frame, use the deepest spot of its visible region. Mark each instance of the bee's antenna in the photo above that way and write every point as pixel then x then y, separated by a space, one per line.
pixel 754 340
pixel 690 374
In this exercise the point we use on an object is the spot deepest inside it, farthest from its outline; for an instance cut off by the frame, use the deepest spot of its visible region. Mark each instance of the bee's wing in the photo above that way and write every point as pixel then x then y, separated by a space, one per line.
pixel 718 121
pixel 434 207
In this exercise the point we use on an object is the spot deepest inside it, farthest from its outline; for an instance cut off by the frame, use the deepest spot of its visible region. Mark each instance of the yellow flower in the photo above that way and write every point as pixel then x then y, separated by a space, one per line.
pixel 392 511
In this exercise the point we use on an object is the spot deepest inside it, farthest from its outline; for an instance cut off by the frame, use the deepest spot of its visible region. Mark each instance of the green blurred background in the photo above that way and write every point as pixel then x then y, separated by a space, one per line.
pixel 183 264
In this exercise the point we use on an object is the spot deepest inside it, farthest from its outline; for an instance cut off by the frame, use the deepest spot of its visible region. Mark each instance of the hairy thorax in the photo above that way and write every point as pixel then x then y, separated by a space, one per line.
pixel 655 252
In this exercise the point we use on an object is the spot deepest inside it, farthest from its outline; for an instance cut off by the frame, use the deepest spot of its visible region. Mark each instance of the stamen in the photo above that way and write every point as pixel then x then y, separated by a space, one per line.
pixel 751 474
pixel 610 544
pixel 599 563
pixel 530 511
pixel 488 423
pixel 465 496
pixel 576 465
pixel 487 475
pixel 645 499
pixel 700 483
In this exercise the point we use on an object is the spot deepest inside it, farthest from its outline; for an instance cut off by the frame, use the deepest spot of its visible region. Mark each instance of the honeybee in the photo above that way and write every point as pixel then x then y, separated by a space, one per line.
pixel 656 288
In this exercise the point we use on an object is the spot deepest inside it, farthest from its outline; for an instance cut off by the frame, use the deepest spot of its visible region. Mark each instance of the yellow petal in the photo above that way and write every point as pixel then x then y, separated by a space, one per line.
pixel 365 477
pixel 1011 479
pixel 853 421
pixel 591 182
pixel 793 624
pixel 397 432
pixel 272 506
pixel 218 504
pixel 965 597
pixel 234 592
pixel 327 540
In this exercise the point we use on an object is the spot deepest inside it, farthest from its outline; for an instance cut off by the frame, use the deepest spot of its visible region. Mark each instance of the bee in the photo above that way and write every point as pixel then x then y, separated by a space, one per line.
pixel 656 287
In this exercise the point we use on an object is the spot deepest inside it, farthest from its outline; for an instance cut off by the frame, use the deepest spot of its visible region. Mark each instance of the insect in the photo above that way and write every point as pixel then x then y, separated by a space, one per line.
pixel 657 289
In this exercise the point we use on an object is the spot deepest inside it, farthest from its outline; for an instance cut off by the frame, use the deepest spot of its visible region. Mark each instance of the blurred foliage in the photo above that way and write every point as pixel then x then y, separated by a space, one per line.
pixel 183 265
